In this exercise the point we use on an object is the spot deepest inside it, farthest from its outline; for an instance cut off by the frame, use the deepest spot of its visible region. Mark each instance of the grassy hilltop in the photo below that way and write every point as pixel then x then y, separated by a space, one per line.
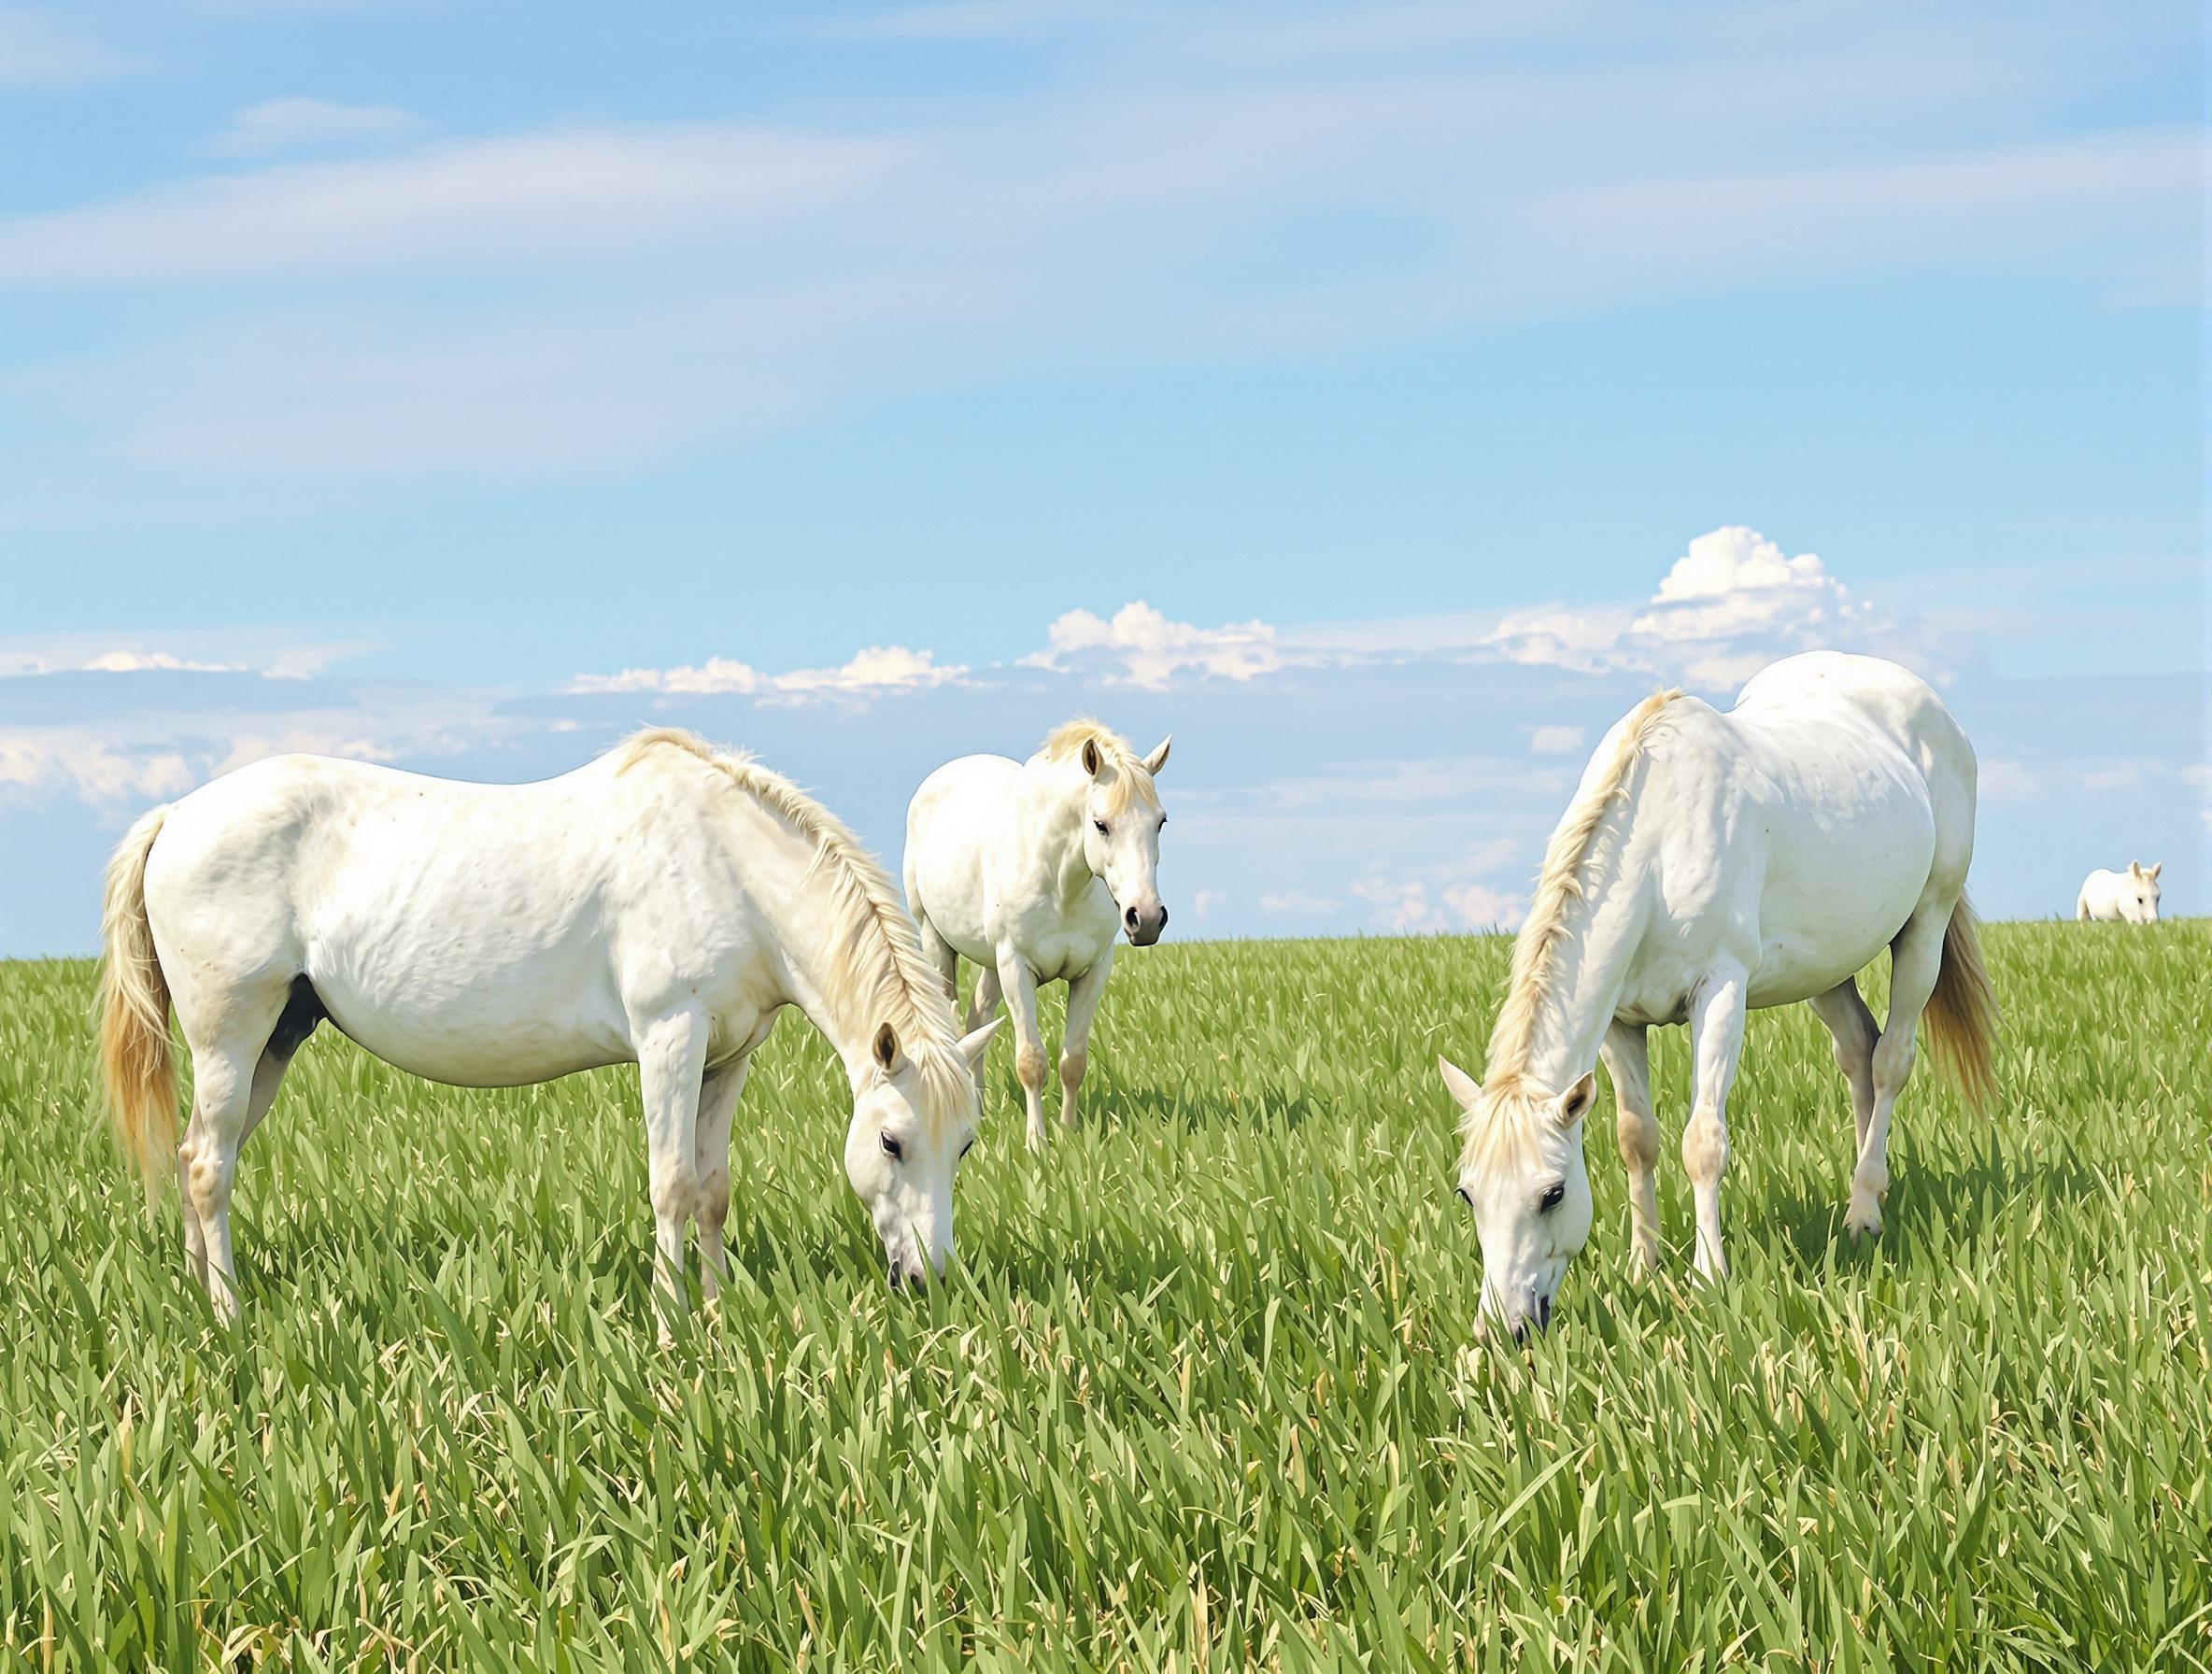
pixel 1202 1396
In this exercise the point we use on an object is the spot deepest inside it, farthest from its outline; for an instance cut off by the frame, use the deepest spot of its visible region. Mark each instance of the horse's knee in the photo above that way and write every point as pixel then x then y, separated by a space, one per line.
pixel 1705 1146
pixel 675 1193
pixel 712 1207
pixel 1028 1064
pixel 1072 1065
pixel 1638 1135
pixel 1894 1056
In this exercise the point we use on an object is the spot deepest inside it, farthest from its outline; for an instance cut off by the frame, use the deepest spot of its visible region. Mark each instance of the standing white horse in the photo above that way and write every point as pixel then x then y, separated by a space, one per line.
pixel 660 905
pixel 1711 863
pixel 2129 896
pixel 1031 869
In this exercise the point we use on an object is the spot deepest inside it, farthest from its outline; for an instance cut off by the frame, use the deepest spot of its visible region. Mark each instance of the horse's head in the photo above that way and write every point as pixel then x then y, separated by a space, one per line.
pixel 2138 893
pixel 914 1119
pixel 1521 1174
pixel 1121 835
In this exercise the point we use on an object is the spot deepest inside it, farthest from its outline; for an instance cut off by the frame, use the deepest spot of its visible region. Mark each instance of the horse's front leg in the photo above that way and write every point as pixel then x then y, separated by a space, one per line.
pixel 1083 995
pixel 717 1107
pixel 1020 985
pixel 672 1063
pixel 1716 1029
pixel 1627 1061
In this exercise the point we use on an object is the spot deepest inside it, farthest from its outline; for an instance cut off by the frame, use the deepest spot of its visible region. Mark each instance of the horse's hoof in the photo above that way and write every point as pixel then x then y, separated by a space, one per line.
pixel 1863 1219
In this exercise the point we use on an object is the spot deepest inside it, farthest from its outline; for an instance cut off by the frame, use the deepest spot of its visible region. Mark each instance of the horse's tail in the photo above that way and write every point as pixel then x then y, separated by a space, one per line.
pixel 136 1070
pixel 1962 1015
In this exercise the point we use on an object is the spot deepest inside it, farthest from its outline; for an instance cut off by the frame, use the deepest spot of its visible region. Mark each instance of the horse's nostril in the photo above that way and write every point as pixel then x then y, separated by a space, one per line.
pixel 1128 918
pixel 898 1278
pixel 1543 1314
pixel 1163 918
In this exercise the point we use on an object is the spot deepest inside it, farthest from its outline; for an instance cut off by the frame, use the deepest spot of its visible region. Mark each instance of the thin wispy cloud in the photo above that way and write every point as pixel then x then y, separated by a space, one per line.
pixel 295 124
pixel 53 48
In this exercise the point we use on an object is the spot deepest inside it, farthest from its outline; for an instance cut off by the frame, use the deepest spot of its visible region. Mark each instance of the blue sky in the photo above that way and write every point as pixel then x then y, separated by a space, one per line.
pixel 1380 398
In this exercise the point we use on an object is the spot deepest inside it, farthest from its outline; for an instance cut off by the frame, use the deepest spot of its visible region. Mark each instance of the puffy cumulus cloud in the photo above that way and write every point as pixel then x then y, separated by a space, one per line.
pixel 1730 604
pixel 870 671
pixel 1277 902
pixel 1141 646
pixel 1450 897
pixel 76 764
pixel 1205 900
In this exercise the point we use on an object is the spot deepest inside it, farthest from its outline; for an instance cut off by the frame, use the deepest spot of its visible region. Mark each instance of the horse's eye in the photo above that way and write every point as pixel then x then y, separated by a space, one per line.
pixel 1465 1198
pixel 969 1146
pixel 893 1149
pixel 1101 825
pixel 1552 1199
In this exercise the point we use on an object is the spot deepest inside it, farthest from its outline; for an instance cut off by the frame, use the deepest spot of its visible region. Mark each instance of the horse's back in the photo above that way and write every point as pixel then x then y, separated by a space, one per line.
pixel 469 932
pixel 957 814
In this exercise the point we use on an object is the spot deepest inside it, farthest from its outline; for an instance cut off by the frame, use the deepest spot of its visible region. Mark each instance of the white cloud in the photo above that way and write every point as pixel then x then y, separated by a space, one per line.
pixel 296 123
pixel 91 768
pixel 1142 647
pixel 873 670
pixel 131 662
pixel 1279 902
pixel 1732 603
pixel 594 194
pixel 1205 900
pixel 36 51
pixel 1555 741
pixel 1479 907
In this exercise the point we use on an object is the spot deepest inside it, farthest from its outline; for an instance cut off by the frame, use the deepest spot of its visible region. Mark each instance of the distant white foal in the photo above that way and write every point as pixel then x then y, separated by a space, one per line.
pixel 660 905
pixel 1711 863
pixel 2129 896
pixel 1031 869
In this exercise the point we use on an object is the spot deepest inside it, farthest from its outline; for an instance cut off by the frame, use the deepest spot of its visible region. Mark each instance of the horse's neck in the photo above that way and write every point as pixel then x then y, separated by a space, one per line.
pixel 796 896
pixel 1054 794
pixel 1575 1003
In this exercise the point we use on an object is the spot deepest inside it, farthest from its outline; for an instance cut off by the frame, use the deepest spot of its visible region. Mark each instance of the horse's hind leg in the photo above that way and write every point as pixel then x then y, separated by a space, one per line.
pixel 941 954
pixel 718 1106
pixel 984 1006
pixel 1852 1029
pixel 1916 960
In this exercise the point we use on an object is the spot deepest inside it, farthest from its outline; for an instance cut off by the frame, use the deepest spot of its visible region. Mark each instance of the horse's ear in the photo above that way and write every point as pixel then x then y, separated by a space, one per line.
pixel 1092 761
pixel 1574 1104
pixel 2156 867
pixel 885 1050
pixel 1463 1087
pixel 2135 868
pixel 972 1046
pixel 1158 759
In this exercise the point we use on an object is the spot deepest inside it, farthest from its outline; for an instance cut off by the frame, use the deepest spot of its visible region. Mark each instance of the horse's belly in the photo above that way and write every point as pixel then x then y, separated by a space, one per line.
pixel 481 1033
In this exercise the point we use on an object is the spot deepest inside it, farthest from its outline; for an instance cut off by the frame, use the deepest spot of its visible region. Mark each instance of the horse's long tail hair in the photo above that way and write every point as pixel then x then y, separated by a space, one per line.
pixel 1962 1015
pixel 136 1071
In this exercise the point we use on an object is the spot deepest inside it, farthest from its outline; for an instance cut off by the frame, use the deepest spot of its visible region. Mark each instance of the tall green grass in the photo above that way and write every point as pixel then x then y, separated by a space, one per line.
pixel 1202 1394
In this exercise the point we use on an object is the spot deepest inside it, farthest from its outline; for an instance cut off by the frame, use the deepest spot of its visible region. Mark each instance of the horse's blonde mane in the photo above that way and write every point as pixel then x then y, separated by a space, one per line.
pixel 876 971
pixel 1559 884
pixel 1130 780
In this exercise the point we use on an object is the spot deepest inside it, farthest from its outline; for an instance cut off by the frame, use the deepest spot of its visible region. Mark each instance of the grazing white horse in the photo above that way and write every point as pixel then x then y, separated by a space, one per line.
pixel 1711 863
pixel 1031 869
pixel 2129 896
pixel 660 905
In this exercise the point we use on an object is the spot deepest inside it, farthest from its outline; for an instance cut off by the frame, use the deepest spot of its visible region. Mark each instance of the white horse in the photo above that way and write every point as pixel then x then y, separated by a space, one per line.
pixel 1711 863
pixel 2129 896
pixel 660 905
pixel 1031 869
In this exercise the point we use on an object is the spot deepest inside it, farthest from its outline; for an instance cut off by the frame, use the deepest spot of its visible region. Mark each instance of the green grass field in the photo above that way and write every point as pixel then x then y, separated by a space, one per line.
pixel 1202 1395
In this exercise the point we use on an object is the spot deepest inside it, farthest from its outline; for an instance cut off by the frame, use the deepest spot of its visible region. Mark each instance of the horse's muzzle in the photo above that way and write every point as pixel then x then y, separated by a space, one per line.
pixel 1144 925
